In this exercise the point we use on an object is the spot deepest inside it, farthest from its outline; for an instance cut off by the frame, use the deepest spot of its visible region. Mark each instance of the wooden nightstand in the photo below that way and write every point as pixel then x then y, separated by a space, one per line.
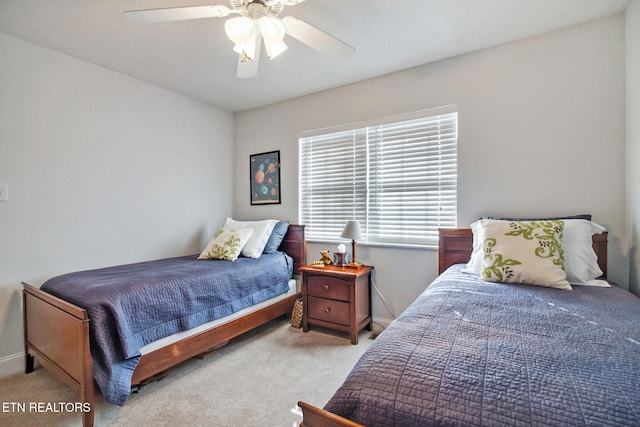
pixel 337 298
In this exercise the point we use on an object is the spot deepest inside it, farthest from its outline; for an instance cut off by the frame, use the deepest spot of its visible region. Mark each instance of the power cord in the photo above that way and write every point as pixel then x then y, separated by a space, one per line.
pixel 373 283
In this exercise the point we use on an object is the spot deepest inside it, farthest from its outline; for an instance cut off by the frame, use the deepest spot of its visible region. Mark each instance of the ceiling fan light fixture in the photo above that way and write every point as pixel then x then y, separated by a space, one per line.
pixel 272 30
pixel 259 22
pixel 247 48
pixel 274 48
pixel 238 29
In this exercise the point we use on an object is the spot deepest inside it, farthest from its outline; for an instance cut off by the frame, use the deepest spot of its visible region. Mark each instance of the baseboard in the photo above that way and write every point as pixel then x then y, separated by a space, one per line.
pixel 11 364
pixel 380 323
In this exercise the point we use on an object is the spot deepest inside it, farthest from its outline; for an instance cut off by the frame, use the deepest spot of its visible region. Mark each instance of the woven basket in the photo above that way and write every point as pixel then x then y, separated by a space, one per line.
pixel 296 314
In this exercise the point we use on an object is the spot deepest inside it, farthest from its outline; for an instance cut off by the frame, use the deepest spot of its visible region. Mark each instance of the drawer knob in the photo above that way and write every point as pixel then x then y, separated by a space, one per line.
pixel 326 287
pixel 327 310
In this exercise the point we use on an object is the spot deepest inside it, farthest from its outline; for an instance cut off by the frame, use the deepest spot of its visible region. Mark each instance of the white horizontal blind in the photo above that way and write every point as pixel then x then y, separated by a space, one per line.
pixel 398 179
pixel 333 181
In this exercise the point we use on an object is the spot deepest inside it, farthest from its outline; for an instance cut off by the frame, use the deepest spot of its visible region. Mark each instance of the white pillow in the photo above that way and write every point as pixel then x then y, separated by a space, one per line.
pixel 596 283
pixel 528 252
pixel 581 262
pixel 226 244
pixel 475 261
pixel 258 240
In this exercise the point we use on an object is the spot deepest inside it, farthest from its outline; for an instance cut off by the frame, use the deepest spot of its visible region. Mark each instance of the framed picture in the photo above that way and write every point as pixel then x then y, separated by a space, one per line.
pixel 264 170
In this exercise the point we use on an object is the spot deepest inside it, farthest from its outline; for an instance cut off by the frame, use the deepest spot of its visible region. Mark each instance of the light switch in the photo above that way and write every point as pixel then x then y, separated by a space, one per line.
pixel 4 192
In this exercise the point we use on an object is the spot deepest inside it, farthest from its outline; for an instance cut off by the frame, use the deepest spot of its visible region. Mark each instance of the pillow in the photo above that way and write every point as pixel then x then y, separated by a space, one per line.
pixel 277 235
pixel 528 252
pixel 581 262
pixel 261 232
pixel 475 261
pixel 226 244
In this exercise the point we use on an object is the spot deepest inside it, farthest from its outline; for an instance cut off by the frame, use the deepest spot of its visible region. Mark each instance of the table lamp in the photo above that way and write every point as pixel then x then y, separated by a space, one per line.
pixel 352 231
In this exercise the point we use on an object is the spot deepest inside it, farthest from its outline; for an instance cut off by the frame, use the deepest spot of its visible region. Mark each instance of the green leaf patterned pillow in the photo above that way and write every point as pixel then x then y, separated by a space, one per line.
pixel 226 244
pixel 528 252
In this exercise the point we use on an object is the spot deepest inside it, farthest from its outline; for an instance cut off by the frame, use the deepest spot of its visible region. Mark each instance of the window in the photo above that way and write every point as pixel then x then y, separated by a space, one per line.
pixel 398 177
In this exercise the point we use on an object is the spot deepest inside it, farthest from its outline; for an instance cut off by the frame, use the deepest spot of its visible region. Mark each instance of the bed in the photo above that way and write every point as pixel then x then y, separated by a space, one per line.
pixel 469 352
pixel 62 335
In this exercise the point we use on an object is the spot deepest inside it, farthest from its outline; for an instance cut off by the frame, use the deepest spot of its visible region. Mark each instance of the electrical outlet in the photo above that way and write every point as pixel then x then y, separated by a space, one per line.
pixel 4 192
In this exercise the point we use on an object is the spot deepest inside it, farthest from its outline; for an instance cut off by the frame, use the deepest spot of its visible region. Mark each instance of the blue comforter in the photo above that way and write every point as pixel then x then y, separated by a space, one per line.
pixel 133 305
pixel 471 353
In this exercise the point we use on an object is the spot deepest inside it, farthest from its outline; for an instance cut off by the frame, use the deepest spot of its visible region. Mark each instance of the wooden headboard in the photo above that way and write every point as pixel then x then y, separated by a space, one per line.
pixel 295 245
pixel 456 244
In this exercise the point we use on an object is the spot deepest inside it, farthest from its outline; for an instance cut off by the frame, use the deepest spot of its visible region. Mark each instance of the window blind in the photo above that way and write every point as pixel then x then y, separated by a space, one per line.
pixel 399 179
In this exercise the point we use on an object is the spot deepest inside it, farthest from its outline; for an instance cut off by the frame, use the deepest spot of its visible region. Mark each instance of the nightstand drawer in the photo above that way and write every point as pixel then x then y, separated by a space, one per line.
pixel 328 287
pixel 329 310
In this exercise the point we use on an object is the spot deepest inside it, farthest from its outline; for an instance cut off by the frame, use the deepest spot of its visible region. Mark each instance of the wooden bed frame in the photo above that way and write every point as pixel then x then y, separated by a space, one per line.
pixel 454 247
pixel 57 333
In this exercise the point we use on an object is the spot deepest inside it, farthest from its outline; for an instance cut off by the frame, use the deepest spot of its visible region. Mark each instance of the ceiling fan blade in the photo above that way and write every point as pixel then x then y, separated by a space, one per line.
pixel 248 69
pixel 284 2
pixel 316 38
pixel 178 13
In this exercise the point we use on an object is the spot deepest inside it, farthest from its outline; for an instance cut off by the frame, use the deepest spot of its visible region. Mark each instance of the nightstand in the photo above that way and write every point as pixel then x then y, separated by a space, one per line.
pixel 337 298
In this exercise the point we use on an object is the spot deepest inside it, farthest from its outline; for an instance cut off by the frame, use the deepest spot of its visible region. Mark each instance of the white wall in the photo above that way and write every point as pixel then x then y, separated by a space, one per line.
pixel 633 141
pixel 102 169
pixel 541 132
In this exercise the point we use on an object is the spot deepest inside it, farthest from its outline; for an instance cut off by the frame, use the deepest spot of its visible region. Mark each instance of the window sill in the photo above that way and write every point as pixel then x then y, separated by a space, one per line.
pixel 376 244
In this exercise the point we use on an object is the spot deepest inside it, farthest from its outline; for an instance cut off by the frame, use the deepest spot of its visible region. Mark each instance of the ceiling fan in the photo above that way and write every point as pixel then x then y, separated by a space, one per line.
pixel 258 21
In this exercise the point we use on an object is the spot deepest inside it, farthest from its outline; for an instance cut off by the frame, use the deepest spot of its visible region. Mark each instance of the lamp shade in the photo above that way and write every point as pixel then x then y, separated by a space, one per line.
pixel 238 29
pixel 272 30
pixel 352 230
pixel 274 48
pixel 247 49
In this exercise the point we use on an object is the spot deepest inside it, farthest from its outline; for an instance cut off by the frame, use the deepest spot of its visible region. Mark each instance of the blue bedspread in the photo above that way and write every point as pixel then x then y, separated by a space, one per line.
pixel 132 305
pixel 471 353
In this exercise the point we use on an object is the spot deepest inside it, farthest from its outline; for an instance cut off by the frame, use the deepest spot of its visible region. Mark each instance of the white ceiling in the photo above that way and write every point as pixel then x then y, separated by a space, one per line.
pixel 195 58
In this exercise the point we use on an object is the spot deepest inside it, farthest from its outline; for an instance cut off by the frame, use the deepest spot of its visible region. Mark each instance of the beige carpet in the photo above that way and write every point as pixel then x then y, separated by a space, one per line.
pixel 253 381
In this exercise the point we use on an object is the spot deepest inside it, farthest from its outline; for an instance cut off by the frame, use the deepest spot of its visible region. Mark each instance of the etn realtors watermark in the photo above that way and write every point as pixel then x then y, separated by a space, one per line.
pixel 45 407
